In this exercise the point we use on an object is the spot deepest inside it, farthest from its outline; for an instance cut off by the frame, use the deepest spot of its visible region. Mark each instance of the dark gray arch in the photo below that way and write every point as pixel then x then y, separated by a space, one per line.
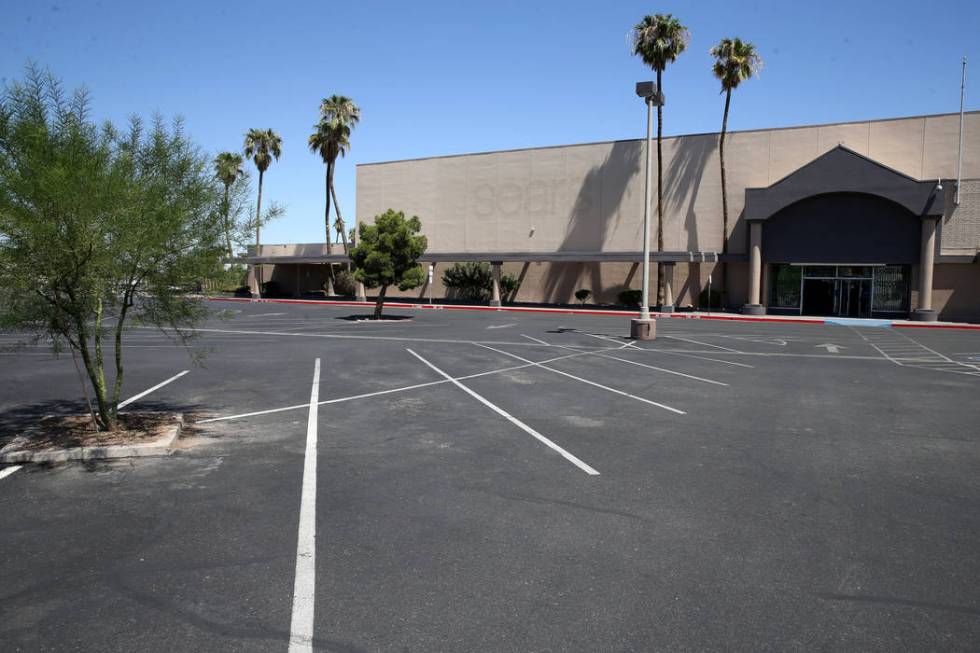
pixel 842 170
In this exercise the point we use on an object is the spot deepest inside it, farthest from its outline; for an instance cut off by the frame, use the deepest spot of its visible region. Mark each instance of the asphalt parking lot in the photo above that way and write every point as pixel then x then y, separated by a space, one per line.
pixel 508 482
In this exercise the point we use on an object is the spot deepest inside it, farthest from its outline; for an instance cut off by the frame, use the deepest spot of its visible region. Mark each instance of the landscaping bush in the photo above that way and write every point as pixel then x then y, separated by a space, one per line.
pixel 343 283
pixel 271 289
pixel 630 297
pixel 508 284
pixel 715 299
pixel 470 281
pixel 582 295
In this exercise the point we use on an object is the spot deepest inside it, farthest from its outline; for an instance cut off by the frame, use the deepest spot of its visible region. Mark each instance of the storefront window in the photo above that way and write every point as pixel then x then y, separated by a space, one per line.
pixel 785 286
pixel 820 271
pixel 891 288
pixel 854 271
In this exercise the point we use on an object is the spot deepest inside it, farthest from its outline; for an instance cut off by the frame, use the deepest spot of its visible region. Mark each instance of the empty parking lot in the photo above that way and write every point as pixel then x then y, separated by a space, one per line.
pixel 508 481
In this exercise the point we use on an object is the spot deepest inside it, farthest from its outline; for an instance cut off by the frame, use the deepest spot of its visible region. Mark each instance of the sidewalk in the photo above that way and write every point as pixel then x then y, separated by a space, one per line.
pixel 694 315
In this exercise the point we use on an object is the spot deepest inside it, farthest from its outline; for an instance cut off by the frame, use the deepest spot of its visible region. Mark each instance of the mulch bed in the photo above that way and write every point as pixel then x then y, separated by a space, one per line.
pixel 70 431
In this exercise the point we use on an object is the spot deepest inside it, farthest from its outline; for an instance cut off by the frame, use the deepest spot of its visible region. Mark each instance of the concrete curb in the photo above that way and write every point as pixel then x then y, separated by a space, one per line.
pixel 733 317
pixel 162 446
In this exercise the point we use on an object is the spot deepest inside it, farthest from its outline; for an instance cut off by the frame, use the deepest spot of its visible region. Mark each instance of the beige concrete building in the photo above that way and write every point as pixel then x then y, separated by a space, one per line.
pixel 859 219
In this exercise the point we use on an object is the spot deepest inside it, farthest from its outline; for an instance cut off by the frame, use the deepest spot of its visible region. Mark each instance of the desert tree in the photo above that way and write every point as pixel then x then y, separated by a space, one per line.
pixel 99 229
pixel 735 61
pixel 658 40
pixel 262 146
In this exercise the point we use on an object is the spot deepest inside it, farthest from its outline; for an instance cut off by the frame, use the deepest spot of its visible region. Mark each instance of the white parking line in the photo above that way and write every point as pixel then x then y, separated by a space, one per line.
pixel 304 584
pixel 672 353
pixel 586 381
pixel 7 471
pixel 651 367
pixel 123 404
pixel 392 390
pixel 705 344
pixel 513 420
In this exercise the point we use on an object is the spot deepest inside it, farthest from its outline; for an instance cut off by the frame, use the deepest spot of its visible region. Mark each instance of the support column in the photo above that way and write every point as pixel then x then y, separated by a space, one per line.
pixel 927 261
pixel 361 294
pixel 668 306
pixel 755 307
pixel 495 287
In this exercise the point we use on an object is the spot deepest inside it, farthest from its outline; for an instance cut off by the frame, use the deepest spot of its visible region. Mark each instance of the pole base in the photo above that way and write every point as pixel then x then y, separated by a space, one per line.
pixel 753 309
pixel 668 308
pixel 925 315
pixel 643 329
pixel 361 298
pixel 495 303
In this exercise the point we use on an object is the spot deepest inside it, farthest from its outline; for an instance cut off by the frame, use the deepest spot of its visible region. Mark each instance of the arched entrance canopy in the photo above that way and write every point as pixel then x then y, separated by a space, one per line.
pixel 842 170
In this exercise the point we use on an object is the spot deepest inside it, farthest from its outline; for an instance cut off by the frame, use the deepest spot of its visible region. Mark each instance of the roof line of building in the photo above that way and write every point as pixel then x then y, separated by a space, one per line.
pixel 631 140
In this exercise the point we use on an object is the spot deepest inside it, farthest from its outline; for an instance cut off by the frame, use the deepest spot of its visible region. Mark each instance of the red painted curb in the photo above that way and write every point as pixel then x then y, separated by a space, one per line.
pixel 965 327
pixel 579 311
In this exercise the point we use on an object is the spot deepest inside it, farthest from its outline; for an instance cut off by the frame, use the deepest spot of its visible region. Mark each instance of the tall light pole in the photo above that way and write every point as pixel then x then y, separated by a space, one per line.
pixel 644 328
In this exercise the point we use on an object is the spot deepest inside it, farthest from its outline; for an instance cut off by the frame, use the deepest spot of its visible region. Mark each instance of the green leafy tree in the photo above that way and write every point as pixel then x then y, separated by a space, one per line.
pixel 262 146
pixel 735 61
pixel 99 228
pixel 658 40
pixel 228 169
pixel 387 254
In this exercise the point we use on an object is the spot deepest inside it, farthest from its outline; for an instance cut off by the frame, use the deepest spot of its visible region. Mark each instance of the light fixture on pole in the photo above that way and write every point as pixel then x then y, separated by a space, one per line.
pixel 644 327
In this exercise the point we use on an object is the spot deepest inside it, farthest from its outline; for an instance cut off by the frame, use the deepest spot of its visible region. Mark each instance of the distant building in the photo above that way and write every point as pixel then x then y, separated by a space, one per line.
pixel 854 219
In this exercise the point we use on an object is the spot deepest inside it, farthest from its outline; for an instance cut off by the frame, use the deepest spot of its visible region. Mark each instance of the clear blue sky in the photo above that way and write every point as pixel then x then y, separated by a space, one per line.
pixel 449 77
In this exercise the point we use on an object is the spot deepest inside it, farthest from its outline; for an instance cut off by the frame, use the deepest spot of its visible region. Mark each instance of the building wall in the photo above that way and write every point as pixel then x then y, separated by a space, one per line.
pixel 589 197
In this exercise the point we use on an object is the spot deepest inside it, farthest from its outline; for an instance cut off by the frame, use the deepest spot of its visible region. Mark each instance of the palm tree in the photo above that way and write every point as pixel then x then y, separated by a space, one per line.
pixel 735 61
pixel 658 40
pixel 330 138
pixel 228 168
pixel 262 146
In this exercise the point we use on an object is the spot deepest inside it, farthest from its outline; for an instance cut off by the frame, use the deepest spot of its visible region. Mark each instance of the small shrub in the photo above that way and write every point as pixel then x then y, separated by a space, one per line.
pixel 271 289
pixel 582 295
pixel 508 284
pixel 469 280
pixel 343 283
pixel 715 299
pixel 630 297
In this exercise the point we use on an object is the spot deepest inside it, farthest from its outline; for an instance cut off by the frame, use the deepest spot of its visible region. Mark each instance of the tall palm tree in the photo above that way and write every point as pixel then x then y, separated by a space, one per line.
pixel 735 61
pixel 228 168
pixel 330 138
pixel 658 40
pixel 262 146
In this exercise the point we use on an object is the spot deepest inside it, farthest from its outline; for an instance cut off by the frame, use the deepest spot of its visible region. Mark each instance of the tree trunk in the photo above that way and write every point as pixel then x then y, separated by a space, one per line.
pixel 227 212
pixel 105 421
pixel 257 273
pixel 380 303
pixel 724 197
pixel 117 387
pixel 340 219
pixel 660 192
pixel 326 224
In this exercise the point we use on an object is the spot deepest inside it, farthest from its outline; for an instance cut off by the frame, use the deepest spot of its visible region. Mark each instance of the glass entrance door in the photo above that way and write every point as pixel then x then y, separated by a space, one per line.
pixel 854 297
pixel 839 290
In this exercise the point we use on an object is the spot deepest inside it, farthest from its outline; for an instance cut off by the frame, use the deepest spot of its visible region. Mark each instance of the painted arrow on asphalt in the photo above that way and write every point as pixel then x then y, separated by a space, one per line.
pixel 501 326
pixel 831 349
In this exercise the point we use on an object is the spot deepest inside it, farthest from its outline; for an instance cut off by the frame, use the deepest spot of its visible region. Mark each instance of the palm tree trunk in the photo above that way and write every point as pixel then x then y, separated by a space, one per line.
pixel 227 225
pixel 258 240
pixel 380 303
pixel 326 223
pixel 724 197
pixel 660 193
pixel 340 219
